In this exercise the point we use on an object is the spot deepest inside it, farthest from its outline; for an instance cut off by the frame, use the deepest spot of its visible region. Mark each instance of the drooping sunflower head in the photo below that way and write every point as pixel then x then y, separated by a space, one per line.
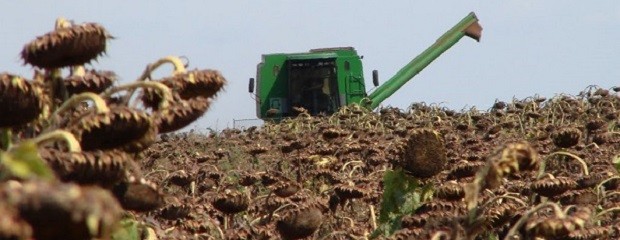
pixel 91 81
pixel 67 46
pixel 20 100
pixel 121 127
pixel 181 113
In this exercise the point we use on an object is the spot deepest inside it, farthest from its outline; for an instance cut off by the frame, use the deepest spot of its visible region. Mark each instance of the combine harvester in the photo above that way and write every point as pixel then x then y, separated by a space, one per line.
pixel 323 80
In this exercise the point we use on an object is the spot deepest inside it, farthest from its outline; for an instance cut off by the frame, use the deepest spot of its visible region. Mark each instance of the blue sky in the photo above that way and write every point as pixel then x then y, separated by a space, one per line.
pixel 528 47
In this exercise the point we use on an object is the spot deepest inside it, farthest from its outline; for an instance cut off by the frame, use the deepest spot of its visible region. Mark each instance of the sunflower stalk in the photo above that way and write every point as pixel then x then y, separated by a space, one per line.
pixel 67 137
pixel 599 188
pixel 179 68
pixel 98 103
pixel 163 90
pixel 582 163
pixel 606 211
pixel 557 210
pixel 56 84
pixel 78 71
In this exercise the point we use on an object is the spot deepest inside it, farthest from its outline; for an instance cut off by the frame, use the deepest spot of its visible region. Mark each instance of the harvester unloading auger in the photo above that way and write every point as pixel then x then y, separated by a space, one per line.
pixel 323 80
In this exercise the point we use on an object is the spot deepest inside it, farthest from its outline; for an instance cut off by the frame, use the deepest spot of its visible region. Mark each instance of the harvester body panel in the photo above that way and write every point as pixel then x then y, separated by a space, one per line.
pixel 319 81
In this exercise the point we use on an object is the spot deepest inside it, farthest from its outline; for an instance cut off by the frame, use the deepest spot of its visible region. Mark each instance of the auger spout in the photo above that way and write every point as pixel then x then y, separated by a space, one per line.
pixel 469 26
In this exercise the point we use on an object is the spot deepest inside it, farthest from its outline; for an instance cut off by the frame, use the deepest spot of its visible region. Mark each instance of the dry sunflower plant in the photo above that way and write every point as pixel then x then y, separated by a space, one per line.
pixel 70 144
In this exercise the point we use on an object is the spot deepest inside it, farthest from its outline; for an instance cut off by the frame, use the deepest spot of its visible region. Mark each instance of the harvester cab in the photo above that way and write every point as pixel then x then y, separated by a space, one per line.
pixel 323 80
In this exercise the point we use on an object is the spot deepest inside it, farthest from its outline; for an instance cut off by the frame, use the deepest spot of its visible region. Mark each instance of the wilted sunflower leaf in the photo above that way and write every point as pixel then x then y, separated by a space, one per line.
pixel 400 197
pixel 129 230
pixel 24 162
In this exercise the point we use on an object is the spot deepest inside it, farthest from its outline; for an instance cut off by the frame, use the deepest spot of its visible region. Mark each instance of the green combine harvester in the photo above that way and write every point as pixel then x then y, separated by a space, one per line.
pixel 323 80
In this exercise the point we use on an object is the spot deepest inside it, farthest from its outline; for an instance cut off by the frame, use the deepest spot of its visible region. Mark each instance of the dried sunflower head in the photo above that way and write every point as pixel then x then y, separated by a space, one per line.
pixel 591 180
pixel 424 155
pixel 347 191
pixel 594 232
pixel 595 124
pixel 20 101
pixel 331 133
pixel 409 234
pixel 550 187
pixel 602 138
pixel 330 176
pixel 69 46
pixel 181 113
pixel 273 203
pixel 203 83
pixel 514 157
pixel 502 213
pixel 63 211
pixel 90 81
pixel 103 168
pixel 440 206
pixel 121 127
pixel 257 149
pixel 196 83
pixel 578 197
pixel 286 189
pixel 450 191
pixel 138 195
pixel 567 137
pixel 427 218
pixel 268 179
pixel 175 211
pixel 231 202
pixel 181 178
pixel 558 227
pixel 248 179
pixel 300 223
pixel 465 169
